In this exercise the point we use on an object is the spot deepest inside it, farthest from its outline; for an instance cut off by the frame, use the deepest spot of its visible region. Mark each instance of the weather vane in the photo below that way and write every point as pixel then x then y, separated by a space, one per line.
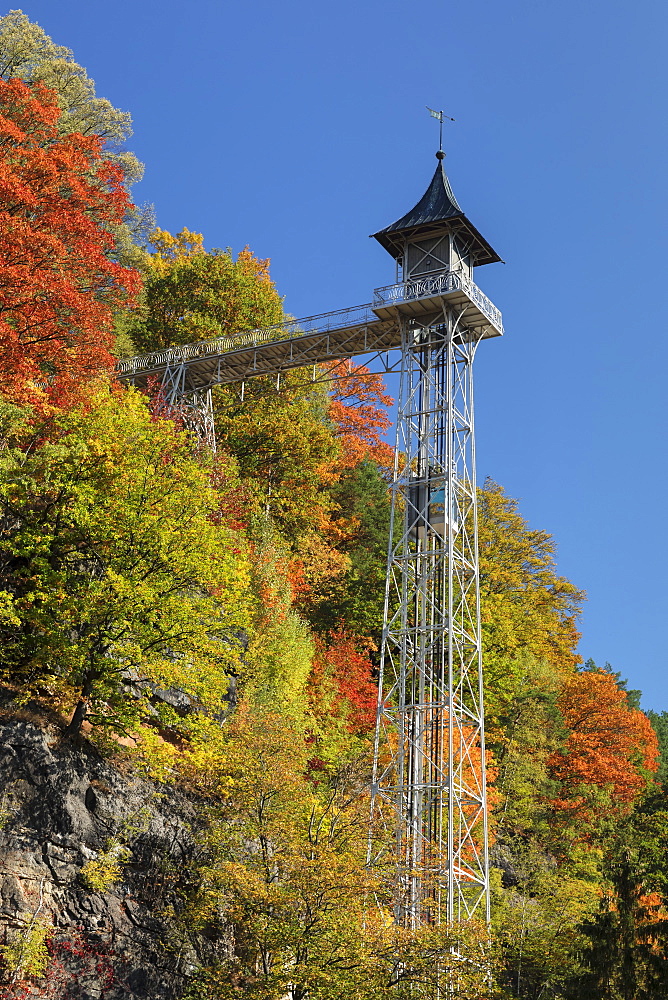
pixel 440 116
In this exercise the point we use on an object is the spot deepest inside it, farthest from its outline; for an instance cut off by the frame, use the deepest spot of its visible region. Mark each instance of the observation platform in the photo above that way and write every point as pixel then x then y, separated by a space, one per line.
pixel 373 328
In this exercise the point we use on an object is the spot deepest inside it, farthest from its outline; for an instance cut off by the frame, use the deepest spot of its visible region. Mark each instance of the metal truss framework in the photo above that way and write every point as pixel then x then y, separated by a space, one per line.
pixel 194 406
pixel 429 769
pixel 371 329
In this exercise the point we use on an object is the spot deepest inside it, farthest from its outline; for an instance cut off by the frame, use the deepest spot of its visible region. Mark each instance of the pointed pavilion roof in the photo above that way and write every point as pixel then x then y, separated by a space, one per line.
pixel 436 210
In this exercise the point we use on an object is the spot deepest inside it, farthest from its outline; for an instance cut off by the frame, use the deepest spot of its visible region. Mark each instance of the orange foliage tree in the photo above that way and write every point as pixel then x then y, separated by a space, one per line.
pixel 610 744
pixel 341 683
pixel 58 286
pixel 358 409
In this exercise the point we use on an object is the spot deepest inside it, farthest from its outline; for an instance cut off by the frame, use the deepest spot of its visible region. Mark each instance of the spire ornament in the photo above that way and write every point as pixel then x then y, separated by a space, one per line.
pixel 440 117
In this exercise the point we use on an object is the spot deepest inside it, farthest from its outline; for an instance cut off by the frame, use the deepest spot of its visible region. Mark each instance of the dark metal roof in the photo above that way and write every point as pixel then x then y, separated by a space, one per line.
pixel 436 210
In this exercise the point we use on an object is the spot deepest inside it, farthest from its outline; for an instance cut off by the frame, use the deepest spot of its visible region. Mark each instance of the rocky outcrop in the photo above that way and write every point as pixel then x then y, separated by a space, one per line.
pixel 64 807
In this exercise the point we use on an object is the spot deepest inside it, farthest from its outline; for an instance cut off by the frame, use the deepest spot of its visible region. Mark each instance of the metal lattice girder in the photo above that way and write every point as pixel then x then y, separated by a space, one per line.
pixel 429 780
pixel 297 344
pixel 194 406
pixel 429 770
pixel 373 328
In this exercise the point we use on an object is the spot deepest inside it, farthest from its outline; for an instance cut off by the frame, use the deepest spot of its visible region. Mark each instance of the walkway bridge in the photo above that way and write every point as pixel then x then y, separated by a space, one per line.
pixel 188 373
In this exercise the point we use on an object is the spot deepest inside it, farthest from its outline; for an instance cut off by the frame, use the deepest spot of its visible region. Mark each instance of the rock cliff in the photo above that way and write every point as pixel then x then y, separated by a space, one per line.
pixel 68 817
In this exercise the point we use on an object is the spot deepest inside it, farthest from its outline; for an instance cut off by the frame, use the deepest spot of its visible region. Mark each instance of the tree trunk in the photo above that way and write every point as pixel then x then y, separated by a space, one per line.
pixel 74 726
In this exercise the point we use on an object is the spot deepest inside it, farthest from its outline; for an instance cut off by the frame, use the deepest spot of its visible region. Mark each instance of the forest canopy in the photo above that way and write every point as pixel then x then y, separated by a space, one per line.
pixel 213 621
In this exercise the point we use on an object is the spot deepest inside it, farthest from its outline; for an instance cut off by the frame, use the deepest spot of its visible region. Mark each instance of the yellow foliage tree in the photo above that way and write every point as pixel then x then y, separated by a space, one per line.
pixel 119 571
pixel 191 294
pixel 286 868
pixel 527 609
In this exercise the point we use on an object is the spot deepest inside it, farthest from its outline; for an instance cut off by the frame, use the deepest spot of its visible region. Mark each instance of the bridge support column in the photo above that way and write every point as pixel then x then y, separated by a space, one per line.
pixel 194 406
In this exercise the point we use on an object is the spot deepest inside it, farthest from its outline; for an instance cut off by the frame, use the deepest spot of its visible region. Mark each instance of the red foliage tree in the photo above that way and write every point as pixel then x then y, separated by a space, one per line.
pixel 59 201
pixel 341 684
pixel 610 745
pixel 77 966
pixel 358 409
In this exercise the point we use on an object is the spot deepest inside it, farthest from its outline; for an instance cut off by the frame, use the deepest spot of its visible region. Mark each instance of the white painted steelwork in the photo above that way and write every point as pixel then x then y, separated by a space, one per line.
pixel 438 284
pixel 372 328
pixel 429 774
pixel 429 761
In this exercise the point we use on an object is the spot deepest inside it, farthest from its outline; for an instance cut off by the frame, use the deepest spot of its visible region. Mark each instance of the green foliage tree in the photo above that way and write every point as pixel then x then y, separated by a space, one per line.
pixel 357 596
pixel 659 722
pixel 193 295
pixel 285 445
pixel 115 568
pixel 279 655
pixel 526 607
pixel 533 731
pixel 627 939
pixel 537 925
pixel 27 52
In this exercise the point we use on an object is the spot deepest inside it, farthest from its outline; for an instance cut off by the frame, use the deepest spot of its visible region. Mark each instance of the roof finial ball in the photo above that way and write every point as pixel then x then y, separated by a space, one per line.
pixel 440 155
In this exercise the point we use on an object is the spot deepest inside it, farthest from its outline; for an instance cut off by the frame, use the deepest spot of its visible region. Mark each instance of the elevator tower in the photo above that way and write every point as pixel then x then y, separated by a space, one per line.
pixel 429 770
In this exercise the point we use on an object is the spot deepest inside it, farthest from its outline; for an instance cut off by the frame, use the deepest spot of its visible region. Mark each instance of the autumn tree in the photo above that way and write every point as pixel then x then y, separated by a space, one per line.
pixel 526 607
pixel 610 745
pixel 533 730
pixel 361 516
pixel 537 924
pixel 342 687
pixel 116 570
pixel 58 283
pixel 193 295
pixel 627 938
pixel 359 411
pixel 29 54
pixel 285 850
pixel 284 858
pixel 292 442
pixel 575 757
pixel 168 249
pixel 659 722
pixel 284 443
pixel 278 660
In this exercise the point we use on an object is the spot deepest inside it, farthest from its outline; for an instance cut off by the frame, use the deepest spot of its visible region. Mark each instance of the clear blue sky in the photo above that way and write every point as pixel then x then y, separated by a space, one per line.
pixel 299 128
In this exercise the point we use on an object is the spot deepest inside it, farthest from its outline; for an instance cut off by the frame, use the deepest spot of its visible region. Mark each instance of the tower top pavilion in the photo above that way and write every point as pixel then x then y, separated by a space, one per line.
pixel 436 215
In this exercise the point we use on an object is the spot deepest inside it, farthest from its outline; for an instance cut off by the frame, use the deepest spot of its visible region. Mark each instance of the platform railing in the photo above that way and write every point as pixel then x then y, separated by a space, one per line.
pixel 406 291
pixel 438 284
pixel 321 323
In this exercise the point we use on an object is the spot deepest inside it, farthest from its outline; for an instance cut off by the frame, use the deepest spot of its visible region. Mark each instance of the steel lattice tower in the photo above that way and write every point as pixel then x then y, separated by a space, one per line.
pixel 429 770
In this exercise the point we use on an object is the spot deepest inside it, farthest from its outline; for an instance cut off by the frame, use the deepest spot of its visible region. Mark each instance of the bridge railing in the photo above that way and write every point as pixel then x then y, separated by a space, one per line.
pixel 438 284
pixel 321 323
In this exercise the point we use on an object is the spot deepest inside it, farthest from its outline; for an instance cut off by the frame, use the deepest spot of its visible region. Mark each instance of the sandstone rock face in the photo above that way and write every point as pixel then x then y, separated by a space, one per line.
pixel 62 806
